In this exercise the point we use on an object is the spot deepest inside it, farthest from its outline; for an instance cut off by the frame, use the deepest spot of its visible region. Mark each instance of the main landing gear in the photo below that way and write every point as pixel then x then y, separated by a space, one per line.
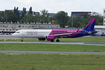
pixel 56 40
pixel 52 40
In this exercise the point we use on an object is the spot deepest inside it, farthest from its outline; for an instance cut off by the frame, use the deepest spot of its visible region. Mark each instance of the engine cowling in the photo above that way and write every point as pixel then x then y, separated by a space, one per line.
pixel 41 39
pixel 50 38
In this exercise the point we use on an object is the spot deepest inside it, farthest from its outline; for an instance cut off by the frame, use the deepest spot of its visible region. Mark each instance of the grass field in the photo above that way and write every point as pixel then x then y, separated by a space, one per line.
pixel 51 47
pixel 25 61
pixel 19 61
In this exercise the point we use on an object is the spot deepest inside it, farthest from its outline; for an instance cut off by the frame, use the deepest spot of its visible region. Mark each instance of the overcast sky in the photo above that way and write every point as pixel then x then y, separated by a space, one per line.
pixel 53 6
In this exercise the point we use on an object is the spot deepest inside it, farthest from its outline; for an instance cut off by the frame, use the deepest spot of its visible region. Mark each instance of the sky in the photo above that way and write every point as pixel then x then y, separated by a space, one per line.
pixel 54 6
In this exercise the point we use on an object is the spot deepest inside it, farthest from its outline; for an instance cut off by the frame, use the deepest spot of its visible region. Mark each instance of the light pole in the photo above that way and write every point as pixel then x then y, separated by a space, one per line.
pixel 72 20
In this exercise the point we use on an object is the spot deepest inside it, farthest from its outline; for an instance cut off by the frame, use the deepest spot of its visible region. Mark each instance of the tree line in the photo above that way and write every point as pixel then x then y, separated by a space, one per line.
pixel 13 16
pixel 61 18
pixel 82 21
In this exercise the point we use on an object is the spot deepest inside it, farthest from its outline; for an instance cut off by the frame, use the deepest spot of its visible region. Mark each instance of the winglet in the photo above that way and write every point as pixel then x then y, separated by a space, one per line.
pixel 78 30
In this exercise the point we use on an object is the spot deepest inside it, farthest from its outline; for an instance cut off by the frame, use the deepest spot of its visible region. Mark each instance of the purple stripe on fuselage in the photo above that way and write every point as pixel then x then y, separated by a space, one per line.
pixel 56 32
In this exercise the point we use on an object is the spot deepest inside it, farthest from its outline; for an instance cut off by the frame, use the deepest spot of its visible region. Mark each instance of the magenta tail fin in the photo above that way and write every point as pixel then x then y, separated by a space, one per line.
pixel 90 25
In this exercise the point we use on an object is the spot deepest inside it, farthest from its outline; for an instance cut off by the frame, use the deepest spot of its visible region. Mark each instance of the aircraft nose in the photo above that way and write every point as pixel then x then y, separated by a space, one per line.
pixel 13 35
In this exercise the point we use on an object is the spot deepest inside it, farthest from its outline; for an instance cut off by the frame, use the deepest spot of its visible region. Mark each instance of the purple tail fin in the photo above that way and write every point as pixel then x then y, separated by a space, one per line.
pixel 90 25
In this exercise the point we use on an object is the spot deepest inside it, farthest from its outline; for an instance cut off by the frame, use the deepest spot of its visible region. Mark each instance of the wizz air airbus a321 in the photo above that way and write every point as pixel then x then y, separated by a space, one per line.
pixel 52 34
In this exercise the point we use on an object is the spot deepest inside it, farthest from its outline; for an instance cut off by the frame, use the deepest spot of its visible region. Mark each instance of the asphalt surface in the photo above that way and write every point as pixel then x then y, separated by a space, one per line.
pixel 7 37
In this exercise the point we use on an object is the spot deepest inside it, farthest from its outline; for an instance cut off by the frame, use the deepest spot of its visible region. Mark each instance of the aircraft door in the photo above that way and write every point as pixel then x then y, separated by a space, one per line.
pixel 24 34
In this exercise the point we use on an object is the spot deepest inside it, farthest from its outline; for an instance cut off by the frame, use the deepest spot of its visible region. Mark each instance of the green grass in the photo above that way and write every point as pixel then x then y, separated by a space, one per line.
pixel 19 61
pixel 51 47
pixel 25 61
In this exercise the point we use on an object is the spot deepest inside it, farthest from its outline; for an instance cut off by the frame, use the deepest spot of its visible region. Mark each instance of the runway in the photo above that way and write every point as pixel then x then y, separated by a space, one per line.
pixel 7 37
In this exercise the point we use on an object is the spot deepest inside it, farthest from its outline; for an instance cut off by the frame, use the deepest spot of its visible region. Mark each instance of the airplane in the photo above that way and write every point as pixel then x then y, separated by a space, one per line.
pixel 52 34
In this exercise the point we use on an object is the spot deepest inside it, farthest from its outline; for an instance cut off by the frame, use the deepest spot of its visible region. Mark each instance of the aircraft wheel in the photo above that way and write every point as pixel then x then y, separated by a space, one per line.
pixel 57 40
pixel 52 40
pixel 22 40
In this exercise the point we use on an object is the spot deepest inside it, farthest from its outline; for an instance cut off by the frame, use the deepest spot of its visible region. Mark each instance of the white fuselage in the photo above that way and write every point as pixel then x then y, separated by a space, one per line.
pixel 37 33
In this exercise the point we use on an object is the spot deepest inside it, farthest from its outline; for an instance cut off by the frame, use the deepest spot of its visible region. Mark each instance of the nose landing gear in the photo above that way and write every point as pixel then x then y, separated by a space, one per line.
pixel 22 40
pixel 57 40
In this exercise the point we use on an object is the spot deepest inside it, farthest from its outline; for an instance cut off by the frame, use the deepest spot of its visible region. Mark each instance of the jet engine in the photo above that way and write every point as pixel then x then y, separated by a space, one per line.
pixel 41 39
pixel 50 38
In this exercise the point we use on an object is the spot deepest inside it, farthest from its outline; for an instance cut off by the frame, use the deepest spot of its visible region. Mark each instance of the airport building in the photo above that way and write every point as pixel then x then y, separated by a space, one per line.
pixel 76 14
pixel 18 26
pixel 101 27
